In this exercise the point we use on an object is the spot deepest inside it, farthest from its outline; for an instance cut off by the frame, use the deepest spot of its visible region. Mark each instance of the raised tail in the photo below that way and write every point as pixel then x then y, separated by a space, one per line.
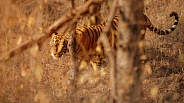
pixel 167 31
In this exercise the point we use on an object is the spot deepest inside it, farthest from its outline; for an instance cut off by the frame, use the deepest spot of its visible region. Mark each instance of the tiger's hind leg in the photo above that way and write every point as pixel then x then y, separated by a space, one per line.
pixel 101 61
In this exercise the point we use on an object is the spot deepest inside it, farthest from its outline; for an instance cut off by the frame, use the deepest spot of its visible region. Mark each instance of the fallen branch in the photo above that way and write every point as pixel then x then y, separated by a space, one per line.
pixel 51 29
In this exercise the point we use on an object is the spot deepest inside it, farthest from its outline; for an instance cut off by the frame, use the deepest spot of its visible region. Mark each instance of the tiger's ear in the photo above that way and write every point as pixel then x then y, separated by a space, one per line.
pixel 53 34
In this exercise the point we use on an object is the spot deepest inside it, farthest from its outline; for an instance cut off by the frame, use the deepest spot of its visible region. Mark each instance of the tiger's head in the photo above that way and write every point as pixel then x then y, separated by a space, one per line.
pixel 58 45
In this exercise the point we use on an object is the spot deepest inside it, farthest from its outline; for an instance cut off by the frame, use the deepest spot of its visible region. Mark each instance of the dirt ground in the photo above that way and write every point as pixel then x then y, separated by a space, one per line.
pixel 34 77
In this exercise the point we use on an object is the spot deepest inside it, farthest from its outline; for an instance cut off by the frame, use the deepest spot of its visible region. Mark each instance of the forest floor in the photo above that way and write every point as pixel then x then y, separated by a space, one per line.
pixel 34 77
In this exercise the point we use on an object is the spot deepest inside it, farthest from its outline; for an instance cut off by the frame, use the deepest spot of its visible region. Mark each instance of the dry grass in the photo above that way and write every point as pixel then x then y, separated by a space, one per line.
pixel 36 77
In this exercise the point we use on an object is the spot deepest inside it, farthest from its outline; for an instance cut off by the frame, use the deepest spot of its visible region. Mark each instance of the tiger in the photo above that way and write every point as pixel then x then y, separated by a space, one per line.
pixel 86 37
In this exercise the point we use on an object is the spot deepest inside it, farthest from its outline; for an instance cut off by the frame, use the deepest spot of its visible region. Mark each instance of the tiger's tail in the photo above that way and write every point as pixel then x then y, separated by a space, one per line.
pixel 167 31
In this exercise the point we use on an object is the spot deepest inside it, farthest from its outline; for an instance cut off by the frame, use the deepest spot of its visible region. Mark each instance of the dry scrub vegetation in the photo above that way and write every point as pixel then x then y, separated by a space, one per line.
pixel 34 77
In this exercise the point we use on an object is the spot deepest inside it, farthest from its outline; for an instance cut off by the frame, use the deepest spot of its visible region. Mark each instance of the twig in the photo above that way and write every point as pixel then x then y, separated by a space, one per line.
pixel 107 48
pixel 51 29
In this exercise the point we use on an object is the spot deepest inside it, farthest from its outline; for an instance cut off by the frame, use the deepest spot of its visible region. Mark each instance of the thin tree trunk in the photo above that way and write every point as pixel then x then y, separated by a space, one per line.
pixel 129 51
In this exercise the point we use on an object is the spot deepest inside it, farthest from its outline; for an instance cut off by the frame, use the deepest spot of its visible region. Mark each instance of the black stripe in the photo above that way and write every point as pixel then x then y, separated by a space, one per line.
pixel 162 32
pixel 104 23
pixel 172 29
pixel 89 45
pixel 114 25
pixel 167 32
pixel 78 51
pixel 116 18
pixel 100 27
pixel 99 32
pixel 87 31
pixel 176 17
pixel 175 23
pixel 76 44
pixel 76 47
pixel 155 29
pixel 81 31
pixel 82 57
pixel 83 34
pixel 96 33
pixel 159 32
pixel 115 22
pixel 93 34
pixel 151 28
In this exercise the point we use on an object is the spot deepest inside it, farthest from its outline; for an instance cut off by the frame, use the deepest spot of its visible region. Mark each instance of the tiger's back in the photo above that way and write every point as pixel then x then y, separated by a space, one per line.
pixel 85 39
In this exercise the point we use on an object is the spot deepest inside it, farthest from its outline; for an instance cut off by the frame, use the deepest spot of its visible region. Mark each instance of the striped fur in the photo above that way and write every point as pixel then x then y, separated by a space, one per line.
pixel 163 32
pixel 86 38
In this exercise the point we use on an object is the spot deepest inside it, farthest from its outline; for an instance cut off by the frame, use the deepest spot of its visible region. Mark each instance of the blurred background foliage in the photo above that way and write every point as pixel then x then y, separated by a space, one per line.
pixel 33 76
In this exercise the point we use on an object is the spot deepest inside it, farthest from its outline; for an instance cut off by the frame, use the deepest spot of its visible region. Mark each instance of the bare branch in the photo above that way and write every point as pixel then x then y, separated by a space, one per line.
pixel 108 51
pixel 51 29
